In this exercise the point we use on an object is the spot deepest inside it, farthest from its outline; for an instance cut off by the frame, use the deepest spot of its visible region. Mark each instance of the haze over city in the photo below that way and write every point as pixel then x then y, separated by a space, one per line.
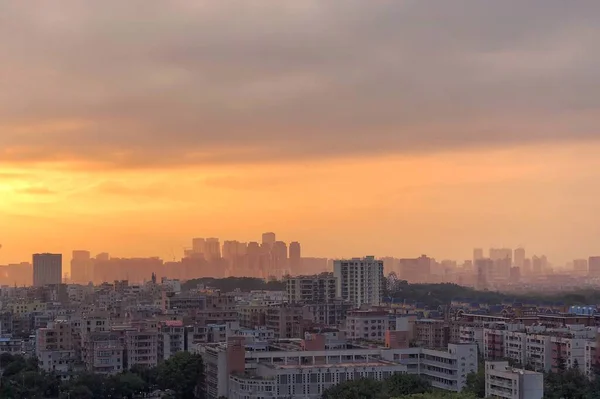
pixel 353 127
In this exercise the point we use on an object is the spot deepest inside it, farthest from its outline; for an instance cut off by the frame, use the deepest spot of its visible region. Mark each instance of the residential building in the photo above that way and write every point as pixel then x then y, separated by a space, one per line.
pixel 319 288
pixel 47 269
pixel 359 281
pixel 502 381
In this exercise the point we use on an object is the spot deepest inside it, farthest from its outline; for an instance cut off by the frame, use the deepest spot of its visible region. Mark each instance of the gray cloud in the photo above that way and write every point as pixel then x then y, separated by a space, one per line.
pixel 186 82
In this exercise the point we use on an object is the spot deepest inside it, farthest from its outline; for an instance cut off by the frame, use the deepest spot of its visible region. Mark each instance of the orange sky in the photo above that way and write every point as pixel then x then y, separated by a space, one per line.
pixel 355 127
pixel 442 204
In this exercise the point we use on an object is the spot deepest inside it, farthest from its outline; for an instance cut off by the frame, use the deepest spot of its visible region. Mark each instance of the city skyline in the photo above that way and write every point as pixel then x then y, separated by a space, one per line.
pixel 355 127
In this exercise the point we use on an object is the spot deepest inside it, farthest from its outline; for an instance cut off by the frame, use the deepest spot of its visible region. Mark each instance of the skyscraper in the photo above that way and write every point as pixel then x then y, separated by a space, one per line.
pixel 359 281
pixel 485 269
pixel 253 259
pixel 295 258
pixel 500 253
pixel 198 245
pixel 415 270
pixel 212 249
pixel 477 254
pixel 269 239
pixel 47 269
pixel 580 267
pixel 279 254
pixel 519 258
pixel 81 267
pixel 594 266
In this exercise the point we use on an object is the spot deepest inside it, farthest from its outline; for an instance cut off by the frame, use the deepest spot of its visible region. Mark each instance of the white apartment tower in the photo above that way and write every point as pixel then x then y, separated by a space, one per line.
pixel 47 269
pixel 359 281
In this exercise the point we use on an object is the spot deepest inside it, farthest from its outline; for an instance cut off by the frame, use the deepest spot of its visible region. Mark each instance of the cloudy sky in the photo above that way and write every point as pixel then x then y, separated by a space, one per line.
pixel 357 127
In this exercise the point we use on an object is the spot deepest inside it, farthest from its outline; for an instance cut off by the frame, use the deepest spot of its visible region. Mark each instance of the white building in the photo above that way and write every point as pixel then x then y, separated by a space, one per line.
pixel 502 381
pixel 359 281
pixel 306 368
pixel 47 269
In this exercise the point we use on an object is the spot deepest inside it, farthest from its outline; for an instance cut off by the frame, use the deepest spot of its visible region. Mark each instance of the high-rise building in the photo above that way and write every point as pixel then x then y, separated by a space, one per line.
pixel 415 270
pixel 594 266
pixel 212 249
pixel 253 259
pixel 477 254
pixel 519 258
pixel 580 267
pixel 234 253
pixel 319 288
pixel 103 257
pixel 295 257
pixel 501 253
pixel 82 267
pixel 485 270
pixel 269 239
pixel 47 269
pixel 526 270
pixel 198 245
pixel 539 265
pixel 279 254
pixel 359 281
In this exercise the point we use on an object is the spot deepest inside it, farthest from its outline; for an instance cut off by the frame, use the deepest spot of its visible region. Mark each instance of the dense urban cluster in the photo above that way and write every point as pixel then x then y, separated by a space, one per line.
pixel 303 336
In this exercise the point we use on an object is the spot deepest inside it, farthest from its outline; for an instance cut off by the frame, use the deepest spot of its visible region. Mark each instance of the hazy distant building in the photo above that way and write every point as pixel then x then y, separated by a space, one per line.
pixel 519 258
pixel 47 269
pixel 359 281
pixel 212 249
pixel 501 253
pixel 269 239
pixel 580 267
pixel 103 256
pixel 415 270
pixel 198 245
pixel 81 267
pixel 594 266
pixel 526 270
pixel 253 253
pixel 515 274
pixel 477 254
pixel 539 265
pixel 279 256
pixel 485 270
pixel 295 258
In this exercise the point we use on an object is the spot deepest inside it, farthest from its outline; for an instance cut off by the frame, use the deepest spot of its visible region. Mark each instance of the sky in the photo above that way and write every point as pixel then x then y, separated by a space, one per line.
pixel 355 127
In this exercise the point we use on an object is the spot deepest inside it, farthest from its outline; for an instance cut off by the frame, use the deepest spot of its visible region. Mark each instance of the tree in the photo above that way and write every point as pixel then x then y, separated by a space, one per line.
pixel 363 388
pixel 439 395
pixel 405 384
pixel 476 383
pixel 183 373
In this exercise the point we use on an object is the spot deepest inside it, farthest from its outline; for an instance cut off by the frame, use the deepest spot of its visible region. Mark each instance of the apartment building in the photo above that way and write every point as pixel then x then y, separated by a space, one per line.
pixel 319 288
pixel 568 352
pixel 103 352
pixel 285 320
pixel 171 339
pixel 331 313
pixel 359 281
pixel 252 315
pixel 431 333
pixel 471 333
pixel 141 347
pixel 11 345
pixel 366 325
pixel 502 381
pixel 55 347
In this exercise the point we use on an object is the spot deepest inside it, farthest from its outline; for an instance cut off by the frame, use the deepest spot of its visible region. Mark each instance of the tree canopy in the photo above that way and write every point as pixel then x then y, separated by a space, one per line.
pixel 182 375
